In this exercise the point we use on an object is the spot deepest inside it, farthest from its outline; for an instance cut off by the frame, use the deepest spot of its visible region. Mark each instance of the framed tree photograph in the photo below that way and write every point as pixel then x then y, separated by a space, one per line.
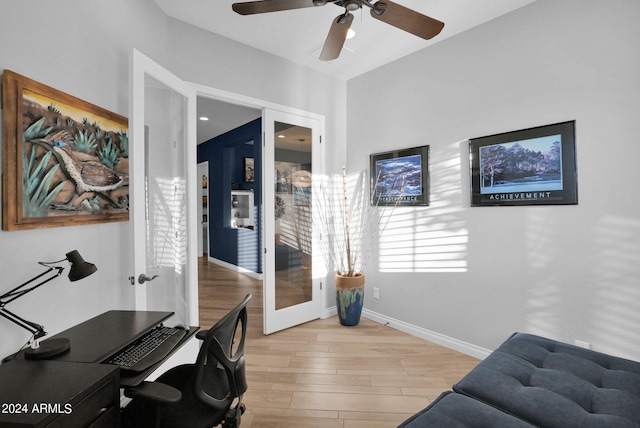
pixel 65 161
pixel 535 166
pixel 400 177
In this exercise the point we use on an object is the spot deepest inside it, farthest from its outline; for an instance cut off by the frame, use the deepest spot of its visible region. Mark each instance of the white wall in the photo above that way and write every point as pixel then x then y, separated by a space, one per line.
pixel 567 272
pixel 83 48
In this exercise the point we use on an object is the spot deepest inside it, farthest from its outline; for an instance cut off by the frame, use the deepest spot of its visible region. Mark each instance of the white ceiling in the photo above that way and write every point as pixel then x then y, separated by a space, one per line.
pixel 298 35
pixel 222 117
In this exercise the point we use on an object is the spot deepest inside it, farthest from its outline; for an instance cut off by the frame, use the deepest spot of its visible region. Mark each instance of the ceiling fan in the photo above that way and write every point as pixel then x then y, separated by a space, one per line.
pixel 384 10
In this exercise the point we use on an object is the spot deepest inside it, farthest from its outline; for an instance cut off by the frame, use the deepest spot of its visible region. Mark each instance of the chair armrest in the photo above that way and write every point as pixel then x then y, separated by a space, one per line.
pixel 200 335
pixel 154 391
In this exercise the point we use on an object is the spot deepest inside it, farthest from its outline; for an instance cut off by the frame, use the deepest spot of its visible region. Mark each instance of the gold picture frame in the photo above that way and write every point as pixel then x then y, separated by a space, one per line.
pixel 65 160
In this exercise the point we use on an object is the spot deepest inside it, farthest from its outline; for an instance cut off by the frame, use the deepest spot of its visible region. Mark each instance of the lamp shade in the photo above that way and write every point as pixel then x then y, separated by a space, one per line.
pixel 301 179
pixel 79 268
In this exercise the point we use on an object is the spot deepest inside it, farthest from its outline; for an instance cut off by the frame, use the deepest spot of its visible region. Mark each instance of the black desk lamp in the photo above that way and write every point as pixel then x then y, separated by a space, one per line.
pixel 48 348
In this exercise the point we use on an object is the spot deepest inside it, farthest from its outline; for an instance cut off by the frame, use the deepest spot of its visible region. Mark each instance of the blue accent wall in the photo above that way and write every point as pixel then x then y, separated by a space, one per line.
pixel 226 154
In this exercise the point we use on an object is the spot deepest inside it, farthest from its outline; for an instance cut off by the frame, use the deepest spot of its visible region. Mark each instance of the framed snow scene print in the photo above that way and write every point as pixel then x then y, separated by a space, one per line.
pixel 400 177
pixel 65 161
pixel 535 166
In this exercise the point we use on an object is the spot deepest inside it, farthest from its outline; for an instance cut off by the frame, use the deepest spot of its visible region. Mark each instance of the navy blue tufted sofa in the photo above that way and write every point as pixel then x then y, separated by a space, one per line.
pixel 534 381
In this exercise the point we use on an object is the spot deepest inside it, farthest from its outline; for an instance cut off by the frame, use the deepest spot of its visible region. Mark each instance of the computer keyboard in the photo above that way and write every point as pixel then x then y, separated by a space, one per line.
pixel 148 350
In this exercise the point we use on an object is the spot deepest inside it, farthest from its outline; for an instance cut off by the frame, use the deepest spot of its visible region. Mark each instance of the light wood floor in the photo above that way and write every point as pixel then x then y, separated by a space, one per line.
pixel 325 375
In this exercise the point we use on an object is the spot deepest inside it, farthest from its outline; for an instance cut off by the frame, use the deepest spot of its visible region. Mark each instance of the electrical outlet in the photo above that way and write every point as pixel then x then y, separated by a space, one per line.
pixel 376 293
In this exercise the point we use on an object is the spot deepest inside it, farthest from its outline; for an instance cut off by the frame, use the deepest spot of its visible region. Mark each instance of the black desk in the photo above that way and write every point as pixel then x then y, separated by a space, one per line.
pixel 96 339
pixel 59 394
pixel 72 377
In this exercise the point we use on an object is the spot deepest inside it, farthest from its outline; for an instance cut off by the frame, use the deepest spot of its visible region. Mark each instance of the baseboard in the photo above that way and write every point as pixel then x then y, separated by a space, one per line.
pixel 236 268
pixel 423 333
pixel 431 336
pixel 329 312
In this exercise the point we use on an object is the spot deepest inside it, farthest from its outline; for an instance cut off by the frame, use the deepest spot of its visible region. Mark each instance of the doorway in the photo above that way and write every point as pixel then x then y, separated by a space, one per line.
pixel 238 110
pixel 228 138
pixel 217 122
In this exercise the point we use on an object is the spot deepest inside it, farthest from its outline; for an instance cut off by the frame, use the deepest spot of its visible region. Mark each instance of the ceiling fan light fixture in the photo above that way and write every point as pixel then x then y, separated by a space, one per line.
pixel 351 5
pixel 387 11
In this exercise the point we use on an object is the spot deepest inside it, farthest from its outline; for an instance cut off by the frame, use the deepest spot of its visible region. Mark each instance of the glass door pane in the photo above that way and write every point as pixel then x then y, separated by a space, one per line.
pixel 166 205
pixel 293 229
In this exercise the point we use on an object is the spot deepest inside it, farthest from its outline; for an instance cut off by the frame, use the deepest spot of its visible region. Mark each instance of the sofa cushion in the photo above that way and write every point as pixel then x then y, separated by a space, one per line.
pixel 451 410
pixel 553 384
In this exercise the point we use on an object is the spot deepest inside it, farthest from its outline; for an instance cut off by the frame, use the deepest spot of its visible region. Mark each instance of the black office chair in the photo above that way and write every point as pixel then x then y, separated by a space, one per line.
pixel 200 394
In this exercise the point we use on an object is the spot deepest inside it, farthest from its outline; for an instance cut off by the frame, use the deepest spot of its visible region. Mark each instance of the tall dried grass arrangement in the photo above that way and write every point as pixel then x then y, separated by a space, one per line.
pixel 345 215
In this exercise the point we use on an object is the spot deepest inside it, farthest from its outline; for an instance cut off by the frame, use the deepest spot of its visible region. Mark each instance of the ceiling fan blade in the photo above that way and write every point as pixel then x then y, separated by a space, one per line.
pixel 337 36
pixel 264 6
pixel 406 19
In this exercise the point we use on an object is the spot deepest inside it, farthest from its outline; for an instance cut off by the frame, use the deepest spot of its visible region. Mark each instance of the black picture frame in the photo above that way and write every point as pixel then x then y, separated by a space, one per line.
pixel 534 166
pixel 400 177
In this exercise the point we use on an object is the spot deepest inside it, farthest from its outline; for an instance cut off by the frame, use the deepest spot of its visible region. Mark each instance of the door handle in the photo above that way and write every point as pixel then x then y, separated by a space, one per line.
pixel 142 278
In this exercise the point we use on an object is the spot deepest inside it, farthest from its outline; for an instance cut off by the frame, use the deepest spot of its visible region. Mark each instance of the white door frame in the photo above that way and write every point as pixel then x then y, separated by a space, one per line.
pixel 242 100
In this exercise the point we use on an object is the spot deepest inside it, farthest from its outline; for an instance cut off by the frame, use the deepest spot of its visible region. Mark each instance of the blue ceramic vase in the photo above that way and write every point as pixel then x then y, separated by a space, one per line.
pixel 349 298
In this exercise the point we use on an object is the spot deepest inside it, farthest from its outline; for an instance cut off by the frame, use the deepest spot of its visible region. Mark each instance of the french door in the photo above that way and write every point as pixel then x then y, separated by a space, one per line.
pixel 164 200
pixel 163 192
pixel 291 156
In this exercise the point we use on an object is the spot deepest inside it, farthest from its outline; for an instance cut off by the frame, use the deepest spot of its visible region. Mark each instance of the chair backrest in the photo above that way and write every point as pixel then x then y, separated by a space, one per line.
pixel 223 348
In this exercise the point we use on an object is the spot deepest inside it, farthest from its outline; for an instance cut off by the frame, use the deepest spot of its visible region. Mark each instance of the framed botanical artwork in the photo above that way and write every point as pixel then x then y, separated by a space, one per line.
pixel 535 166
pixel 400 177
pixel 65 161
pixel 249 170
